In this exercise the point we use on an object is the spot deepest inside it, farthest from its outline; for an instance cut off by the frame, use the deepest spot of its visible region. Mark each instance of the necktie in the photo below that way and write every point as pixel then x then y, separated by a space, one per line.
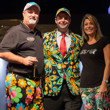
pixel 63 45
pixel 63 48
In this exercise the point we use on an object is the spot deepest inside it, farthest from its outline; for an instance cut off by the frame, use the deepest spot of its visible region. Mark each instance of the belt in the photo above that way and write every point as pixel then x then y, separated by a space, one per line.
pixel 28 75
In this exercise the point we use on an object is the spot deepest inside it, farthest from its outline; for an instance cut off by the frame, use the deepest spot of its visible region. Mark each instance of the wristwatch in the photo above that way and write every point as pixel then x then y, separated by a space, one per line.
pixel 105 80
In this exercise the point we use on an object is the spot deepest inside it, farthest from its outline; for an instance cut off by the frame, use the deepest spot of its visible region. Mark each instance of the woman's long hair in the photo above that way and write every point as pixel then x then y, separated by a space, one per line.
pixel 95 22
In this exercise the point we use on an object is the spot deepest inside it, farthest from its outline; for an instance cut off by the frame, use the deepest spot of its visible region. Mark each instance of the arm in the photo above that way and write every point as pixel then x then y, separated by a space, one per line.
pixel 9 43
pixel 10 57
pixel 107 62
pixel 103 87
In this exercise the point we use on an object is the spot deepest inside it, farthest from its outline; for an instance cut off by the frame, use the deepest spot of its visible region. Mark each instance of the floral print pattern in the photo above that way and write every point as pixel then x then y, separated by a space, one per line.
pixel 22 83
pixel 29 91
pixel 20 106
pixel 28 99
pixel 56 66
pixel 8 101
pixel 15 94
pixel 23 93
pixel 92 101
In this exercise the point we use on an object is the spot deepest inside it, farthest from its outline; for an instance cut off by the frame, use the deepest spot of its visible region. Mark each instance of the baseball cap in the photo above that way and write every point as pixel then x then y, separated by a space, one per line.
pixel 63 10
pixel 30 4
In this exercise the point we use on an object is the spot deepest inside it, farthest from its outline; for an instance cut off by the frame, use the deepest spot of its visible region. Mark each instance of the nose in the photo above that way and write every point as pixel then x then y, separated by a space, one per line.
pixel 89 26
pixel 33 14
pixel 63 18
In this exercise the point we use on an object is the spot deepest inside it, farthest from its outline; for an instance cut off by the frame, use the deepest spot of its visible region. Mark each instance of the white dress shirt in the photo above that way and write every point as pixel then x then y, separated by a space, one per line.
pixel 67 39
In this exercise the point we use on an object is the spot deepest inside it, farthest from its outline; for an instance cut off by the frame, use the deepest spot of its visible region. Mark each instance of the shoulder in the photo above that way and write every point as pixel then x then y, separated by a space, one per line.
pixel 76 36
pixel 104 40
pixel 47 35
pixel 13 29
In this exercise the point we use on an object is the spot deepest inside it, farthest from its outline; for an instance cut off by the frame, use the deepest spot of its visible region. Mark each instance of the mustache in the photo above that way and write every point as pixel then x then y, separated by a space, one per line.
pixel 34 18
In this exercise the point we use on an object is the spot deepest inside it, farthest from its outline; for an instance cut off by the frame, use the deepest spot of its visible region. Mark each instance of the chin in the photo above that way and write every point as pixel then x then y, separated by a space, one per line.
pixel 89 33
pixel 32 22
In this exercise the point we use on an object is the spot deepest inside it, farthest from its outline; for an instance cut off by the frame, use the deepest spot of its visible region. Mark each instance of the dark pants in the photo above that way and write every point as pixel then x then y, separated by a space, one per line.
pixel 64 101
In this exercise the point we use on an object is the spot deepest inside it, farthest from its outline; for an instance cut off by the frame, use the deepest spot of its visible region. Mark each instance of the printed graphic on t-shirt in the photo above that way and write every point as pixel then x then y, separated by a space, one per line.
pixel 91 51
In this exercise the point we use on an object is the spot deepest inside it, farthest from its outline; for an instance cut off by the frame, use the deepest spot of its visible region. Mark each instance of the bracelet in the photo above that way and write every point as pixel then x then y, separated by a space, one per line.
pixel 105 80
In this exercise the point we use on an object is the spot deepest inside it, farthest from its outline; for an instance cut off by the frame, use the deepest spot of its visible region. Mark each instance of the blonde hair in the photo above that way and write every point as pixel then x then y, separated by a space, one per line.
pixel 95 22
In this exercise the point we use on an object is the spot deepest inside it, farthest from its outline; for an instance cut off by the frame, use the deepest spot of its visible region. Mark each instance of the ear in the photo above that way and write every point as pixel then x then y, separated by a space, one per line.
pixel 55 20
pixel 23 13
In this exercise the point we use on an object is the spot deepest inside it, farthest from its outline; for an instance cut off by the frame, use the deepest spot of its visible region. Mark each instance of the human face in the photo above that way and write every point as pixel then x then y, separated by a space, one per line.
pixel 63 21
pixel 31 16
pixel 89 28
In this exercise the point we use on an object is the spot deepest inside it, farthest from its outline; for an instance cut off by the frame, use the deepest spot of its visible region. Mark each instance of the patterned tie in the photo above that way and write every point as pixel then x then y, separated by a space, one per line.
pixel 63 45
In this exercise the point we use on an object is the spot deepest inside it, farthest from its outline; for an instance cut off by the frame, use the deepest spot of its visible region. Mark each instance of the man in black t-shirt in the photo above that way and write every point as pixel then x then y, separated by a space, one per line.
pixel 22 48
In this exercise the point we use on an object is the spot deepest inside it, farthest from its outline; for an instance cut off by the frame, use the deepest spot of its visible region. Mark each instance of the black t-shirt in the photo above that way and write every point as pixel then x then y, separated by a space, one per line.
pixel 92 58
pixel 23 42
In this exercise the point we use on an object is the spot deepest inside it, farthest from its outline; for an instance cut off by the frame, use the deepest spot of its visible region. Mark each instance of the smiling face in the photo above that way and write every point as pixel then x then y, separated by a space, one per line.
pixel 89 28
pixel 31 16
pixel 63 21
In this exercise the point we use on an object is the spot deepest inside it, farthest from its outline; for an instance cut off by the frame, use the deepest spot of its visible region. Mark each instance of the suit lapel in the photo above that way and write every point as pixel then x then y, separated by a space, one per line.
pixel 53 40
pixel 71 45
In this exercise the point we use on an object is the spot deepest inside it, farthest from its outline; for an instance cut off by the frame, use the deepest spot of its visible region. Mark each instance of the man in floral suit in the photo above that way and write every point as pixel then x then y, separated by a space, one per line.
pixel 61 59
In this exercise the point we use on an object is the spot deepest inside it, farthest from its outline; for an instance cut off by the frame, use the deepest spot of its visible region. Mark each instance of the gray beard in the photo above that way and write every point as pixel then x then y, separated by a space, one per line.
pixel 31 21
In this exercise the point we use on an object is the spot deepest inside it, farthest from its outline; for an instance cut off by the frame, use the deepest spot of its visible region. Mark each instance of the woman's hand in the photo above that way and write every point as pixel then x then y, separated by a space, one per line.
pixel 103 90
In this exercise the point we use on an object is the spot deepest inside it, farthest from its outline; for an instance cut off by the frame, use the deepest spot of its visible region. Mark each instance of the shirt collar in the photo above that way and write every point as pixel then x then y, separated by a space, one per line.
pixel 59 33
pixel 27 29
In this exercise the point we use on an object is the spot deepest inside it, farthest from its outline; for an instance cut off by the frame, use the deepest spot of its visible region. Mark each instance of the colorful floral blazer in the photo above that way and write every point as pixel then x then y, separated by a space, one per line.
pixel 56 66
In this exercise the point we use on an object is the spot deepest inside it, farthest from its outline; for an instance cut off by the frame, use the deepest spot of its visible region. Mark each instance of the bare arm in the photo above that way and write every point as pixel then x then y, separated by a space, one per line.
pixel 10 57
pixel 103 88
pixel 107 62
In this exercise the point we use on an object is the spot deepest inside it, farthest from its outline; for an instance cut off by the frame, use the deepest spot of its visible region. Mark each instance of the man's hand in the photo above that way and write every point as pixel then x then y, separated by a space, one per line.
pixel 29 61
